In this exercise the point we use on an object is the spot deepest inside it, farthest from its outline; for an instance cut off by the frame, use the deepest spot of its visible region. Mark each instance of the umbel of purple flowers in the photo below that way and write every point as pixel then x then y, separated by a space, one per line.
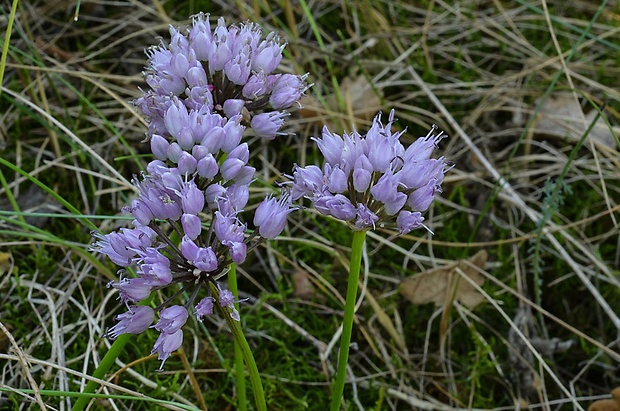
pixel 227 71
pixel 369 180
pixel 206 88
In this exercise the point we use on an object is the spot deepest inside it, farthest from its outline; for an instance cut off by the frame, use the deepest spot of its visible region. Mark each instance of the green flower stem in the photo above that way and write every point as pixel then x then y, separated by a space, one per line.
pixel 105 364
pixel 242 400
pixel 235 328
pixel 347 322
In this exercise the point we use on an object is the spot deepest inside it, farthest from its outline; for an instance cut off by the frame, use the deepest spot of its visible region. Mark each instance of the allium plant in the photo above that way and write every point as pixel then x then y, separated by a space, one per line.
pixel 206 88
pixel 368 181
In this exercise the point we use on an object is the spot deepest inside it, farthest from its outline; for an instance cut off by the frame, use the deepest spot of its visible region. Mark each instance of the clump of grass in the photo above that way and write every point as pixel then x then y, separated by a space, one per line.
pixel 479 71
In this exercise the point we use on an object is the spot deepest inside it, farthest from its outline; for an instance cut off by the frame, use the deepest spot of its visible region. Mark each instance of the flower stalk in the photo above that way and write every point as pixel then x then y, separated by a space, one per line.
pixel 246 352
pixel 242 399
pixel 347 322
pixel 104 366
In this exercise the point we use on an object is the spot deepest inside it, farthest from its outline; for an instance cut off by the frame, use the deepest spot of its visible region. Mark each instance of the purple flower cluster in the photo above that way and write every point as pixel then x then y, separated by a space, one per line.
pixel 226 71
pixel 371 179
pixel 205 89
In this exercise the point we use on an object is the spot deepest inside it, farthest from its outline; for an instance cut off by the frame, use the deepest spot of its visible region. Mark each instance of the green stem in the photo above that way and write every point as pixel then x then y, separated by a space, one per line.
pixel 242 400
pixel 235 328
pixel 102 369
pixel 106 363
pixel 347 322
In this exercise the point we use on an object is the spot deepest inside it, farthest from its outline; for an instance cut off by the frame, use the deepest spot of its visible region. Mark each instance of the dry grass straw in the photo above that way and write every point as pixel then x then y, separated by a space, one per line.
pixel 499 70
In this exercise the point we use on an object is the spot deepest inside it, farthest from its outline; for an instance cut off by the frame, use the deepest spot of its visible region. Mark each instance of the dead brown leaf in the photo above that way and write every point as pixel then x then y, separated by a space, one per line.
pixel 439 284
pixel 607 405
pixel 302 286
pixel 359 97
pixel 562 116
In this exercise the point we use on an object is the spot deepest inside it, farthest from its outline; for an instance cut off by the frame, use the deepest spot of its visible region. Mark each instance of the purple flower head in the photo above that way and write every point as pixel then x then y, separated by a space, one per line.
pixel 421 199
pixel 176 117
pixel 337 206
pixel 337 181
pixel 270 216
pixel 231 233
pixel 205 66
pixel 307 182
pixel 228 228
pixel 331 146
pixel 185 138
pixel 234 132
pixel 268 54
pixel 155 201
pixel 197 81
pixel 354 146
pixel 230 200
pixel 171 319
pixel 213 194
pixel 131 289
pixel 259 85
pixel 238 195
pixel 134 321
pixel 371 179
pixel 151 256
pixel 154 267
pixel 227 300
pixel 204 307
pixel 157 168
pixel 200 37
pixel 166 344
pixel 235 162
pixel 287 90
pixel 238 68
pixel 192 198
pixel 121 246
pixel 248 36
pixel 207 166
pixel 192 226
pixel 174 152
pixel 423 147
pixel 159 146
pixel 172 181
pixel 203 258
pixel 266 125
pixel 238 251
pixel 187 164
pixel 365 217
pixel 206 85
pixel 362 174
pixel 233 107
pixel 408 221
pixel 244 176
pixel 241 152
pixel 416 174
pixel 387 192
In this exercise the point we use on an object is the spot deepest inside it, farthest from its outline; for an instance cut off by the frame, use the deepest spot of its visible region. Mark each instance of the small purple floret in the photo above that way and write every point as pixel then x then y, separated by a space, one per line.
pixel 134 321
